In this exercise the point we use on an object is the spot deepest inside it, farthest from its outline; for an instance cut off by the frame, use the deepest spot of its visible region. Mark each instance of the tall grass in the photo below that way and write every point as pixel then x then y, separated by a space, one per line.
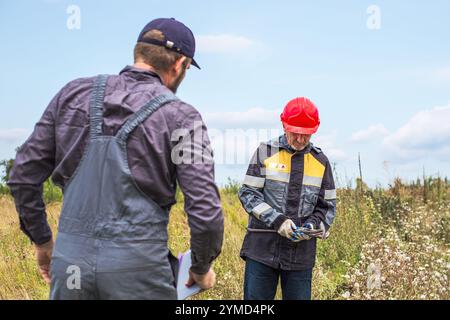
pixel 403 228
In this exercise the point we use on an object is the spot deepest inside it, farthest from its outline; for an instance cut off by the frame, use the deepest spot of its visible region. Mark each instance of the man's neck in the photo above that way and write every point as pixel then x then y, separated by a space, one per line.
pixel 144 66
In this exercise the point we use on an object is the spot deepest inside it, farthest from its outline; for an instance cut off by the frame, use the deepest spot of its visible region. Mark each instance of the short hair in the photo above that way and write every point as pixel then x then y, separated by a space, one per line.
pixel 159 57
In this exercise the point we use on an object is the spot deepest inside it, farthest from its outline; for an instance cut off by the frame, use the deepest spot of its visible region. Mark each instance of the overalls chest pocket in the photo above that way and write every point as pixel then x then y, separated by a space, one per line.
pixel 274 194
pixel 308 200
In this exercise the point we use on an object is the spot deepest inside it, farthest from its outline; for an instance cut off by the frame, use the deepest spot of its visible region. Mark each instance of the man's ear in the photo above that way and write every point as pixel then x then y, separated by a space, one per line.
pixel 179 64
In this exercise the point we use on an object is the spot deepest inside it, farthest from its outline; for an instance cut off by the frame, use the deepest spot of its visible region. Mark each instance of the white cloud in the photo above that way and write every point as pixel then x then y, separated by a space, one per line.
pixel 223 43
pixel 425 135
pixel 372 132
pixel 327 142
pixel 13 135
pixel 254 118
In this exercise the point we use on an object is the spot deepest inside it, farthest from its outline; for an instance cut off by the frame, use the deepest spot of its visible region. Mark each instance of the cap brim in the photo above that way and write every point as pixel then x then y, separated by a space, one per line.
pixel 194 63
pixel 300 130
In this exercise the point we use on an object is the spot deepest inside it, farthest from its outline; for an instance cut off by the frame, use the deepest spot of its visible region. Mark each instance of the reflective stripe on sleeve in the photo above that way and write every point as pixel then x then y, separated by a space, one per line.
pixel 330 194
pixel 261 209
pixel 252 181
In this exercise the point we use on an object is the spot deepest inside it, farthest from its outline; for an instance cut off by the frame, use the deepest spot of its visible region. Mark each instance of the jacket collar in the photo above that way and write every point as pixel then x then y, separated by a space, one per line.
pixel 141 74
pixel 281 142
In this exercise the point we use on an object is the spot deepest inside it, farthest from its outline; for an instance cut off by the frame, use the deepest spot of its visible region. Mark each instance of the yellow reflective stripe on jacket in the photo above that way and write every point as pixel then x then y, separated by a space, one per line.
pixel 313 171
pixel 278 166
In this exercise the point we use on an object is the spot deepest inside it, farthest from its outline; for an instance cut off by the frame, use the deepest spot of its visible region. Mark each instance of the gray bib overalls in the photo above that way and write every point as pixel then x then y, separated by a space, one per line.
pixel 112 238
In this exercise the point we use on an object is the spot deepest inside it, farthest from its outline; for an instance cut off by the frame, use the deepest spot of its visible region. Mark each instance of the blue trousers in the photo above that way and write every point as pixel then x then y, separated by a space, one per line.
pixel 261 281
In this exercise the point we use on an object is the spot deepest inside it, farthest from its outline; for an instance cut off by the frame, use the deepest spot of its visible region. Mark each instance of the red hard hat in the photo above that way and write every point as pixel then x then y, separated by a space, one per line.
pixel 300 115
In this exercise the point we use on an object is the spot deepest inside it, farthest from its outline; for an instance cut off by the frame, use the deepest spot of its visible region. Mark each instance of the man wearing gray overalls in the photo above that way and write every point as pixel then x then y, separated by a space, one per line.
pixel 112 144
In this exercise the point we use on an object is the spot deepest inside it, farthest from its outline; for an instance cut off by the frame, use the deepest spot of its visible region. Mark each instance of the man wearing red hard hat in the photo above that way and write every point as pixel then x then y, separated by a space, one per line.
pixel 290 196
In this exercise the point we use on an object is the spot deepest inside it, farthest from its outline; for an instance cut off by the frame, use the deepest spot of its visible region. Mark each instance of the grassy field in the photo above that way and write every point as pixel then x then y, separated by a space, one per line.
pixel 384 244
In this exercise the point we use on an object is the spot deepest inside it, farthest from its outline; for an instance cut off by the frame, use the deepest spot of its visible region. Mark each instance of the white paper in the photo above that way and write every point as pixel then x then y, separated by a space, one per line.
pixel 185 262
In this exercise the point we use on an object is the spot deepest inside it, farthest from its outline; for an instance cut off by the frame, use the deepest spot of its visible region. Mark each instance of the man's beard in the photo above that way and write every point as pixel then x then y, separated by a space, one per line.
pixel 298 148
pixel 176 83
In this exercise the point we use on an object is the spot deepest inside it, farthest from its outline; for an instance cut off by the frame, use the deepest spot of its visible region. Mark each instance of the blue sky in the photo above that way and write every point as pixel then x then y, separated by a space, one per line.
pixel 384 92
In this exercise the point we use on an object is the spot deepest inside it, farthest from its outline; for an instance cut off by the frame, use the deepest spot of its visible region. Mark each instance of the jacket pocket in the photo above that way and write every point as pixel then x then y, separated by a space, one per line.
pixel 261 246
pixel 308 200
pixel 305 253
pixel 274 194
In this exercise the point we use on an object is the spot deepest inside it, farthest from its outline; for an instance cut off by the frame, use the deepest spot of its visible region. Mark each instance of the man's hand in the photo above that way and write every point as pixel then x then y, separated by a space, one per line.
pixel 287 229
pixel 321 232
pixel 204 281
pixel 44 256
pixel 325 233
pixel 299 235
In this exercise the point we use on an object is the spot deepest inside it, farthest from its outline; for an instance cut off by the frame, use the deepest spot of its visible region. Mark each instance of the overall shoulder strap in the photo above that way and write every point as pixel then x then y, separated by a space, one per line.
pixel 142 114
pixel 96 106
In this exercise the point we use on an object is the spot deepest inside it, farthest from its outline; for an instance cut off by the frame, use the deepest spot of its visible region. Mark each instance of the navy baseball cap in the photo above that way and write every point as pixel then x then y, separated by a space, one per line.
pixel 177 37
